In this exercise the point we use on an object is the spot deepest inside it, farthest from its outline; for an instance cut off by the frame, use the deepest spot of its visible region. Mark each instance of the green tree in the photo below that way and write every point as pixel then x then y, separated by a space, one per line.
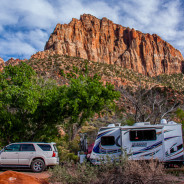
pixel 23 100
pixel 180 115
pixel 84 97
pixel 48 113
pixel 17 100
pixel 31 108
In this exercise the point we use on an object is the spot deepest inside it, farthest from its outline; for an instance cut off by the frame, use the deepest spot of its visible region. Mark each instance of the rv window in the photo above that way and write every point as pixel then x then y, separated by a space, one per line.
pixel 172 150
pixel 107 140
pixel 142 135
pixel 180 146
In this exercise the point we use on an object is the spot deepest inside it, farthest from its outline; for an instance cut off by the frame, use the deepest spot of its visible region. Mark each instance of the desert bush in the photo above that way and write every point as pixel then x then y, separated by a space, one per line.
pixel 71 173
pixel 145 172
pixel 121 172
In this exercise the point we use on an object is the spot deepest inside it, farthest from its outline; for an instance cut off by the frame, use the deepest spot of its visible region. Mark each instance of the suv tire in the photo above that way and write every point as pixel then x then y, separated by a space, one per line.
pixel 37 165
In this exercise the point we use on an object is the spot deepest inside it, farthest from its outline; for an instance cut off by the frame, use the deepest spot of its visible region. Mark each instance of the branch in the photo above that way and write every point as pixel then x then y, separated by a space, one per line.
pixel 171 109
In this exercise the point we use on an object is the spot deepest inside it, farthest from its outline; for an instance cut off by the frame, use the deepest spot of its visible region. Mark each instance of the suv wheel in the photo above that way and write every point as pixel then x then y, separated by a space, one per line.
pixel 37 165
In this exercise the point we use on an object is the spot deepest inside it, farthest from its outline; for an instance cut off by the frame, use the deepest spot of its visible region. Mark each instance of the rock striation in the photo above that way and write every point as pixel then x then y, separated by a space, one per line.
pixel 101 40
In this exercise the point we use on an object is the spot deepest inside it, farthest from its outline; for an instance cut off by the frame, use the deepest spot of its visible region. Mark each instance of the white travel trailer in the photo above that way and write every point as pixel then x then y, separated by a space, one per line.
pixel 141 141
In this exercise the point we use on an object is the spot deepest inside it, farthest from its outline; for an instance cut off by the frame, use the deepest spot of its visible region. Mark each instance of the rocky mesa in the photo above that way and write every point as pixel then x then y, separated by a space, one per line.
pixel 101 40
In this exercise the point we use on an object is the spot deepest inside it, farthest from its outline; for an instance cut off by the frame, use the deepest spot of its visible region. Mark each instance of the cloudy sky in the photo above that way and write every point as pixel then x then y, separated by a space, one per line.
pixel 25 25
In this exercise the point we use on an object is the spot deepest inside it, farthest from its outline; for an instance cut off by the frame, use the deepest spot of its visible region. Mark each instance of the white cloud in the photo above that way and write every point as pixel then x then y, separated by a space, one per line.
pixel 7 16
pixel 140 11
pixel 10 48
pixel 151 14
pixel 154 16
pixel 33 21
pixel 23 44
pixel 75 8
pixel 35 37
pixel 29 23
pixel 29 14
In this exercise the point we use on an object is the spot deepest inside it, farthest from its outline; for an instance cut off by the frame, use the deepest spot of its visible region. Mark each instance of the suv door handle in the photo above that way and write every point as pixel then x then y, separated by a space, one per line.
pixel 16 153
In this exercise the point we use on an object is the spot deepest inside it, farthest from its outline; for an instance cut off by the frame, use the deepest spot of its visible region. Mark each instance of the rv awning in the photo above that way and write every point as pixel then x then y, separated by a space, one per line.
pixel 142 127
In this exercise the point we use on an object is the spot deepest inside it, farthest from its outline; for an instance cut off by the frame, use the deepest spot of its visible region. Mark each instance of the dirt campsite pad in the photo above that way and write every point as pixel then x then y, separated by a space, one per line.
pixel 12 177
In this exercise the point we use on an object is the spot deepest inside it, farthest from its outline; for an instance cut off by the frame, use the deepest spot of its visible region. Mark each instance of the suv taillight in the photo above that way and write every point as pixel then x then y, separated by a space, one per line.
pixel 53 154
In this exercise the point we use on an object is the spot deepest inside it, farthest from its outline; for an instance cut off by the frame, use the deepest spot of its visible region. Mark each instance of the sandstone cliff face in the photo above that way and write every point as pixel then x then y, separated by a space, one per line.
pixel 103 41
pixel 1 64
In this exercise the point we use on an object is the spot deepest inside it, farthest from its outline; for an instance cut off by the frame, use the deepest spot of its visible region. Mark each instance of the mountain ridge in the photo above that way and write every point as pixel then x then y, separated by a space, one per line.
pixel 101 40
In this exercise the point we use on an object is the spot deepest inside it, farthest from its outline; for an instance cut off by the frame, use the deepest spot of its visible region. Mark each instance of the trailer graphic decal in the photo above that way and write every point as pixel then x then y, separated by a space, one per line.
pixel 171 155
pixel 151 154
pixel 148 148
pixel 104 133
pixel 167 138
pixel 98 149
pixel 165 131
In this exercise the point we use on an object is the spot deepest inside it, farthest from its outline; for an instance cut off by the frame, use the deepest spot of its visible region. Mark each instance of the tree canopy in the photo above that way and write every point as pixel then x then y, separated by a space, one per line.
pixel 32 107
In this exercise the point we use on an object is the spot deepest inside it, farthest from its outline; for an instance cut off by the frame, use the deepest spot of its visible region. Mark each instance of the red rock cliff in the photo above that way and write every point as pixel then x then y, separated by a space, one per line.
pixel 103 41
pixel 1 64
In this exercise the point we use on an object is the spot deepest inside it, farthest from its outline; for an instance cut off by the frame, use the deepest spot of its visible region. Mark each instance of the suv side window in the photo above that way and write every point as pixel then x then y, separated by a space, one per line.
pixel 45 147
pixel 12 148
pixel 27 147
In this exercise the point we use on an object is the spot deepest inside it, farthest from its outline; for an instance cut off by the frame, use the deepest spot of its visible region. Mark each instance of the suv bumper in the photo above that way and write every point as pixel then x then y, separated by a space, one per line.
pixel 53 161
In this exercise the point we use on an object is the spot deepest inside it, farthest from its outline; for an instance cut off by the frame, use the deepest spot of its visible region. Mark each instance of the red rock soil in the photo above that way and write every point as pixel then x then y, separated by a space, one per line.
pixel 13 177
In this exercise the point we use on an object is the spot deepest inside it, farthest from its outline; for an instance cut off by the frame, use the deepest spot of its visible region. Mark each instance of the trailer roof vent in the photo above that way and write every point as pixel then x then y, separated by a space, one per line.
pixel 172 123
pixel 118 124
pixel 163 121
pixel 141 123
pixel 146 123
pixel 111 125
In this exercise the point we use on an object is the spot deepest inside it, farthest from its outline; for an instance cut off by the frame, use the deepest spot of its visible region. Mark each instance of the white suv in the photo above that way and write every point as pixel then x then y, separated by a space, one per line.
pixel 36 156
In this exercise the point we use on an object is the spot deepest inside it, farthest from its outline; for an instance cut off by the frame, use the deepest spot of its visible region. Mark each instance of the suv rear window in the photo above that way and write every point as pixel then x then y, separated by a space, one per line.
pixel 45 147
pixel 27 147
pixel 55 148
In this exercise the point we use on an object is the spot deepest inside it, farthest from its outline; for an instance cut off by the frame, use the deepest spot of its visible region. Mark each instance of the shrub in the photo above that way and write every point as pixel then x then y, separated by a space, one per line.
pixel 74 173
pixel 144 172
pixel 123 172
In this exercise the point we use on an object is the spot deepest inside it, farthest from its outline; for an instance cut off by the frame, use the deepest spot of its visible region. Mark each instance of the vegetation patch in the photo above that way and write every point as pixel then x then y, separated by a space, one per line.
pixel 123 172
